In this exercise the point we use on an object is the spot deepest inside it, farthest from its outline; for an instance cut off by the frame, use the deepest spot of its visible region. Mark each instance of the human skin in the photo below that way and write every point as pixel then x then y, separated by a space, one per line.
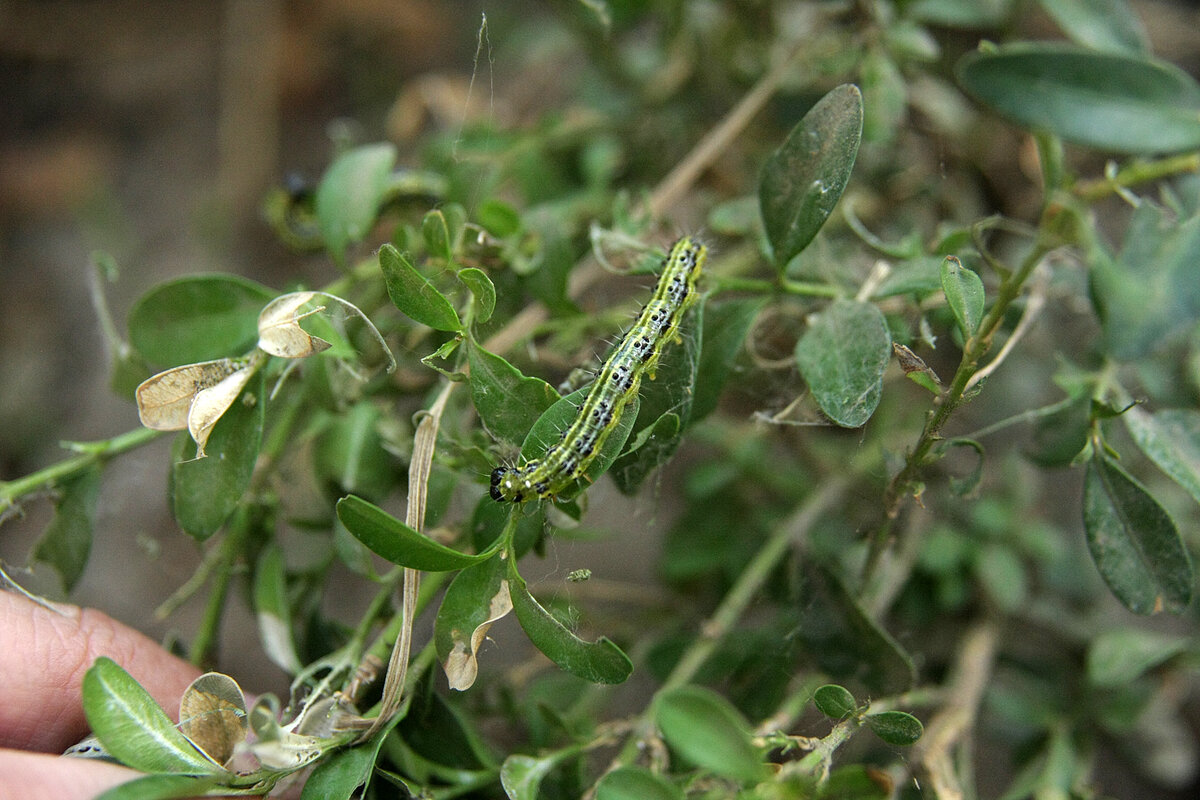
pixel 44 654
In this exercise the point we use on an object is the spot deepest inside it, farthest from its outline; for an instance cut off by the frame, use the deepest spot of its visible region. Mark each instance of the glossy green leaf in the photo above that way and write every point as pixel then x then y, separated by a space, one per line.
pixel 507 401
pixel 273 610
pixel 1111 101
pixel 67 541
pixel 1171 439
pixel 834 701
pixel 350 456
pixel 350 195
pixel 413 294
pixel 394 541
pixel 600 661
pixel 482 289
pixel 708 731
pixel 133 728
pixel 724 334
pixel 1148 295
pixel 160 787
pixel 1110 25
pixel 842 356
pixel 1133 541
pixel 339 775
pixel 199 318
pixel 636 783
pixel 803 180
pixel 1120 656
pixel 964 294
pixel 475 600
pixel 521 776
pixel 205 491
pixel 895 727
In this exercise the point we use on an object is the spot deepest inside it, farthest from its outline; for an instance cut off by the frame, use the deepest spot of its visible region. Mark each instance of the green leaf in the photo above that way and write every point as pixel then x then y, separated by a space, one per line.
pixel 413 294
pixel 350 195
pixel 1110 101
pixel 442 229
pixel 349 453
pixel 895 727
pixel 521 776
pixel 273 610
pixel 1119 657
pixel 133 728
pixel 391 539
pixel 1002 576
pixel 507 401
pixel 160 787
pixel 500 218
pixel 200 318
pixel 1059 436
pixel 68 539
pixel 856 782
pixel 834 701
pixel 724 331
pixel 1133 541
pixel 846 642
pixel 437 729
pixel 599 662
pixel 482 289
pixel 842 356
pixel 885 96
pixel 964 295
pixel 803 180
pixel 1109 25
pixel 476 599
pixel 709 732
pixel 1171 439
pixel 205 491
pixel 1148 295
pixel 636 783
pixel 665 405
pixel 336 777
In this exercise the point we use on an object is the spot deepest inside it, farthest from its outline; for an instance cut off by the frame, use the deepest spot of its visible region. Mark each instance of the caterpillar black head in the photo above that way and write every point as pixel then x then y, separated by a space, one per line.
pixel 497 476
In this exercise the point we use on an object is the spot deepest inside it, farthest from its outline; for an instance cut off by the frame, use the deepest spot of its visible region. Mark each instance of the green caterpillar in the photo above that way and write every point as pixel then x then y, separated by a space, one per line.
pixel 615 385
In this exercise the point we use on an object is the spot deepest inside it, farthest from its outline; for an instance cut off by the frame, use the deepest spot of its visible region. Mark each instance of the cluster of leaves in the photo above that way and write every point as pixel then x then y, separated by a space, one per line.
pixel 836 262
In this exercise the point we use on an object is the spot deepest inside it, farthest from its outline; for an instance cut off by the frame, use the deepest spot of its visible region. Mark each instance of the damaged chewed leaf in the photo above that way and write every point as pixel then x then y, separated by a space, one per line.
pixel 212 715
pixel 476 599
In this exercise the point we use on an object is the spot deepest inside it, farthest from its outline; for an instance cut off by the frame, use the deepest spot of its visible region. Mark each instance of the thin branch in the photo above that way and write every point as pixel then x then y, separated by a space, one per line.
pixel 951 726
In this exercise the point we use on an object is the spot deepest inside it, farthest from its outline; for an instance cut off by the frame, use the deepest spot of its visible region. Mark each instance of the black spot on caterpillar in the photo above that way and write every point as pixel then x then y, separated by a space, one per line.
pixel 615 385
